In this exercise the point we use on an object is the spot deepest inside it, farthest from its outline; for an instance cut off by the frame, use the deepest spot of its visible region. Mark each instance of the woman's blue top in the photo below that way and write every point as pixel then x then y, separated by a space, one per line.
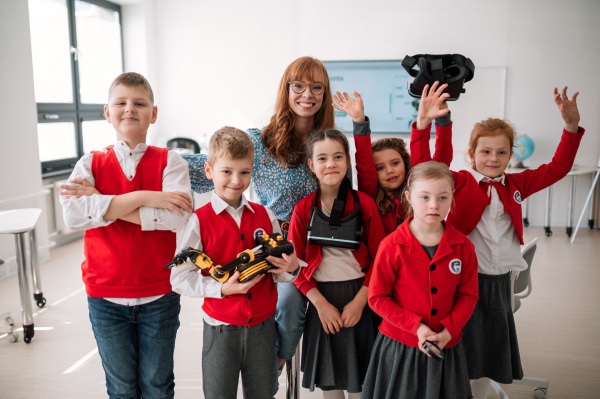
pixel 279 188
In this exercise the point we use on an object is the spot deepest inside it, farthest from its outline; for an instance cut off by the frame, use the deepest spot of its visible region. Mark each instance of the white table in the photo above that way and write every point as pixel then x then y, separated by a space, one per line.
pixel 21 222
pixel 576 171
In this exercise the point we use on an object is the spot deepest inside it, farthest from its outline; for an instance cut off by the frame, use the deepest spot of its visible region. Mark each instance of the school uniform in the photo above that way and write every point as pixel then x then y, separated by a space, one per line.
pixel 127 285
pixel 489 212
pixel 367 174
pixel 239 329
pixel 408 288
pixel 336 361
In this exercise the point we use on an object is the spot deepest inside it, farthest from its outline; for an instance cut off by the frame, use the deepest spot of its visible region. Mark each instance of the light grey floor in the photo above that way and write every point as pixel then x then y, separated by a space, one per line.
pixel 558 328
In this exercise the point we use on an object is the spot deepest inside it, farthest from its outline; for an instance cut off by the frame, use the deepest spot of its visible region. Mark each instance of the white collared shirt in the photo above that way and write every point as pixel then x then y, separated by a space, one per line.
pixel 187 279
pixel 88 212
pixel 495 239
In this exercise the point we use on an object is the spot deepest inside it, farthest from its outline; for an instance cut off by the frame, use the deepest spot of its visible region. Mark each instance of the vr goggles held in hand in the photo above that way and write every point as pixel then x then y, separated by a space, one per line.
pixel 453 69
pixel 250 262
pixel 335 231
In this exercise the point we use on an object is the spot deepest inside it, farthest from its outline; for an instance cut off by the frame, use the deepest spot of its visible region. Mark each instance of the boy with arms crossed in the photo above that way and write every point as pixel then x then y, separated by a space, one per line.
pixel 130 201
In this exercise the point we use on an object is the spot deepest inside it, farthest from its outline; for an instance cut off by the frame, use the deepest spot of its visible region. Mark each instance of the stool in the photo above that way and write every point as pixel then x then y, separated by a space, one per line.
pixel 21 222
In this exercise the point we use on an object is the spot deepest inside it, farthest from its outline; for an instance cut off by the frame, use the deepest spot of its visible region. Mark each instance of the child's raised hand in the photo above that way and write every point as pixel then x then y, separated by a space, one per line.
pixel 433 104
pixel 287 263
pixel 568 109
pixel 175 201
pixel 423 334
pixel 354 108
pixel 78 188
pixel 233 286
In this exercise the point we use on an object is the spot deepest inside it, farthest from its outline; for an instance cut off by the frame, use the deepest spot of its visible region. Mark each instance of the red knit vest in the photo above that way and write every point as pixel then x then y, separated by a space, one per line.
pixel 121 260
pixel 223 240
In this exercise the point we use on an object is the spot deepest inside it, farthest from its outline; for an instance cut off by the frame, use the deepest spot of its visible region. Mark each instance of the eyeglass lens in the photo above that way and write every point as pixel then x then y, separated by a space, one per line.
pixel 300 87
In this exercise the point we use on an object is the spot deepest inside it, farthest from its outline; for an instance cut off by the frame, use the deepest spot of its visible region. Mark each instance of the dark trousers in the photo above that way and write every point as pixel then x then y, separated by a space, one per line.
pixel 229 350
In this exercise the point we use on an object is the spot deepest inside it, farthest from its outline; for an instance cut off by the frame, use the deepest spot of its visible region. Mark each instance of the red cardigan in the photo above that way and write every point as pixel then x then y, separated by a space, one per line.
pixel 470 200
pixel 311 254
pixel 121 260
pixel 367 174
pixel 408 288
pixel 223 240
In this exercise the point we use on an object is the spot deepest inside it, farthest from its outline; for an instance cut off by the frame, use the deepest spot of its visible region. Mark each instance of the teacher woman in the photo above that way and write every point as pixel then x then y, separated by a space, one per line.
pixel 280 176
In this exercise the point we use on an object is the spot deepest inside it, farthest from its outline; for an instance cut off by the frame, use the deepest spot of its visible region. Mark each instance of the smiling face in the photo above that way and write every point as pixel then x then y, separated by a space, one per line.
pixel 390 168
pixel 131 111
pixel 492 155
pixel 231 178
pixel 430 200
pixel 306 105
pixel 329 162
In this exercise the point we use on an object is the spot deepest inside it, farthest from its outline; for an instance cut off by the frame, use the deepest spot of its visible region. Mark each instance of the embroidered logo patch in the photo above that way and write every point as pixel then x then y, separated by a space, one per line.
pixel 258 232
pixel 517 197
pixel 455 266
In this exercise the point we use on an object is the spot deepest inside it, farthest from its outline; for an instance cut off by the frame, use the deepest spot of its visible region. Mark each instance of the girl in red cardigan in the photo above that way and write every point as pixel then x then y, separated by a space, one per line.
pixel 424 285
pixel 340 328
pixel 382 165
pixel 488 210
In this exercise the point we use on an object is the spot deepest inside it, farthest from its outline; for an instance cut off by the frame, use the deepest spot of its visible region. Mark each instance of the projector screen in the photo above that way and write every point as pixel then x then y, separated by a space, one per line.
pixel 383 88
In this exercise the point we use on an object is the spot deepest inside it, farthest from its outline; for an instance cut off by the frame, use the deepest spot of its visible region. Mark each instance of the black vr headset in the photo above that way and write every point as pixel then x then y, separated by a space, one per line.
pixel 453 69
pixel 335 231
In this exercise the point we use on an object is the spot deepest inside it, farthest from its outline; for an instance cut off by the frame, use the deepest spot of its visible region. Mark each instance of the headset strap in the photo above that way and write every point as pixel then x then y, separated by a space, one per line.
pixel 339 204
pixel 410 61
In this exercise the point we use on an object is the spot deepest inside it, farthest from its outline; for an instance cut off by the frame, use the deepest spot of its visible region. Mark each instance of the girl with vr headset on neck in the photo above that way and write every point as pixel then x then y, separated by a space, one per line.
pixel 488 211
pixel 382 166
pixel 340 328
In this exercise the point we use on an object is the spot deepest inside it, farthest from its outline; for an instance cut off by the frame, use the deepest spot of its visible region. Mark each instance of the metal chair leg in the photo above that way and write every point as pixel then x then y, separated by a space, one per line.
pixel 292 367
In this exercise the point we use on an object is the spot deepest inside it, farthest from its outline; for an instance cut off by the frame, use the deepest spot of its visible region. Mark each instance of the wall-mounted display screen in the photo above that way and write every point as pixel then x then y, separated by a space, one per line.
pixel 383 88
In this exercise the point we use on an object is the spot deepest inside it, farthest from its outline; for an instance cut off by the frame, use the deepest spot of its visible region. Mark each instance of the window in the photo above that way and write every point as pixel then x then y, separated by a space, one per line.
pixel 77 51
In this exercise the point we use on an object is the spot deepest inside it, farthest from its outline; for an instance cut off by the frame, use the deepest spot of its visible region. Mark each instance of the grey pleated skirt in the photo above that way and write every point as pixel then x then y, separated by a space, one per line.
pixel 340 360
pixel 401 371
pixel 490 336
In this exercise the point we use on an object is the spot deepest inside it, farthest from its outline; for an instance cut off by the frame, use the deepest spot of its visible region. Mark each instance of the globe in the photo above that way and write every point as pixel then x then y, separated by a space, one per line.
pixel 524 148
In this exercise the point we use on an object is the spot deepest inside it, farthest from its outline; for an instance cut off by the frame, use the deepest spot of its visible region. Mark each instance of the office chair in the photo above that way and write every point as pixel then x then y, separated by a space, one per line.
pixel 521 288
pixel 182 145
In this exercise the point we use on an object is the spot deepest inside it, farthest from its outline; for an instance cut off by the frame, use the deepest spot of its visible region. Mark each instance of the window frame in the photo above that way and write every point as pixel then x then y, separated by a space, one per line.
pixel 75 111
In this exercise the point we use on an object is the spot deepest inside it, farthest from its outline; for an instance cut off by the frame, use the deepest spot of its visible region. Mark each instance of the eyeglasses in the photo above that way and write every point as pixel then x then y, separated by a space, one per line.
pixel 300 87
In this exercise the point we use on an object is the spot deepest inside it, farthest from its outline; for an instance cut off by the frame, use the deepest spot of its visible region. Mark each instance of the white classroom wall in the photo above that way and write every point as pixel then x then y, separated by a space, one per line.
pixel 215 63
pixel 218 63
pixel 20 173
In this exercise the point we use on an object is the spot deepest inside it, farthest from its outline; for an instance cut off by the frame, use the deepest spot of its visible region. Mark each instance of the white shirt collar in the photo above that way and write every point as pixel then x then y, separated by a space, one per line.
pixel 219 205
pixel 122 146
pixel 479 177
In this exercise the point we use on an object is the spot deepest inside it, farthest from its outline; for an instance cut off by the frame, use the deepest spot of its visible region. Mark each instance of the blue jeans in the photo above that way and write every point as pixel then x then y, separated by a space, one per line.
pixel 289 318
pixel 136 345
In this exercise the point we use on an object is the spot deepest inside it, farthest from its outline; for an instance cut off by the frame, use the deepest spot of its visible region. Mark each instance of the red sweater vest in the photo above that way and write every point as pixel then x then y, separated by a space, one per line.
pixel 223 240
pixel 121 260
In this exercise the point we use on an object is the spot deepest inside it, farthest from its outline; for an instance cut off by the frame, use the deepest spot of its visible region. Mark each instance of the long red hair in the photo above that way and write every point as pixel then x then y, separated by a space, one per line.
pixel 278 136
